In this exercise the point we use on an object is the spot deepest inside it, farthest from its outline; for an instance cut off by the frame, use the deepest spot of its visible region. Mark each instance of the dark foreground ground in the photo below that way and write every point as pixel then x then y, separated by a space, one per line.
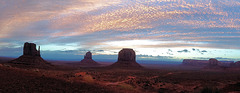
pixel 70 78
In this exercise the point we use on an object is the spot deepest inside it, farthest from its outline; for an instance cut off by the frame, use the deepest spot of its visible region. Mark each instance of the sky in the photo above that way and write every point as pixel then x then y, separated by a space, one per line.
pixel 158 30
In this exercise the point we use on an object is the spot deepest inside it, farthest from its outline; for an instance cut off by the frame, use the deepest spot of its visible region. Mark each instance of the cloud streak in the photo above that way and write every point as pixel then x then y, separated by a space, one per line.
pixel 110 25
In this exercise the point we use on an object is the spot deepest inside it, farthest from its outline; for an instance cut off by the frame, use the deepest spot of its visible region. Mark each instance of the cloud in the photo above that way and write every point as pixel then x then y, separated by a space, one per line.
pixel 156 58
pixel 218 58
pixel 81 17
pixel 199 51
pixel 110 25
pixel 16 15
pixel 169 52
pixel 140 16
pixel 184 51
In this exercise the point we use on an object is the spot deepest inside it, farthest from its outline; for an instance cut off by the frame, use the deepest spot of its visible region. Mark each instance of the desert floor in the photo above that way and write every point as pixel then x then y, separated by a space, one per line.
pixel 68 77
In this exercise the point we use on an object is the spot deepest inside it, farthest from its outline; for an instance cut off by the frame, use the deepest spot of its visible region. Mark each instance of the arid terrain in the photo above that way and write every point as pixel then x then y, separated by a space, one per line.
pixel 68 77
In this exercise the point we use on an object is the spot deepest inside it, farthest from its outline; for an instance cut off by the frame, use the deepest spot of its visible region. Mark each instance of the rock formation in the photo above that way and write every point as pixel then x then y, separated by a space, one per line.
pixel 192 62
pixel 213 62
pixel 236 64
pixel 210 62
pixel 88 55
pixel 126 59
pixel 88 61
pixel 31 57
pixel 127 55
pixel 30 49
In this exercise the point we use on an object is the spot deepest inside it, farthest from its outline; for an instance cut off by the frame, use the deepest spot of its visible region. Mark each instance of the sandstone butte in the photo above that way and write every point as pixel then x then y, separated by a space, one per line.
pixel 31 57
pixel 126 59
pixel 88 61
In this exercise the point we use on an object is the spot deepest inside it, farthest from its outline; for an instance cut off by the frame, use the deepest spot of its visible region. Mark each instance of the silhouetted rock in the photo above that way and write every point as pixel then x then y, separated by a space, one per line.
pixel 31 57
pixel 237 63
pixel 192 62
pixel 88 61
pixel 30 60
pixel 30 49
pixel 126 59
pixel 127 55
pixel 213 62
pixel 88 55
pixel 210 62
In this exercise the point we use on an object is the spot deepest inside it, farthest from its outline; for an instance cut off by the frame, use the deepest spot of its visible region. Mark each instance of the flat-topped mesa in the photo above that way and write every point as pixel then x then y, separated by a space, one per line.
pixel 193 62
pixel 30 49
pixel 126 59
pixel 210 62
pixel 88 55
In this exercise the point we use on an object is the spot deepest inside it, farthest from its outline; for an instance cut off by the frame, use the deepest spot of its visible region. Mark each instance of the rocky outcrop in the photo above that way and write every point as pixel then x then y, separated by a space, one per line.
pixel 30 49
pixel 30 60
pixel 192 62
pixel 127 55
pixel 126 59
pixel 213 62
pixel 88 61
pixel 237 63
pixel 31 57
pixel 88 55
pixel 210 62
